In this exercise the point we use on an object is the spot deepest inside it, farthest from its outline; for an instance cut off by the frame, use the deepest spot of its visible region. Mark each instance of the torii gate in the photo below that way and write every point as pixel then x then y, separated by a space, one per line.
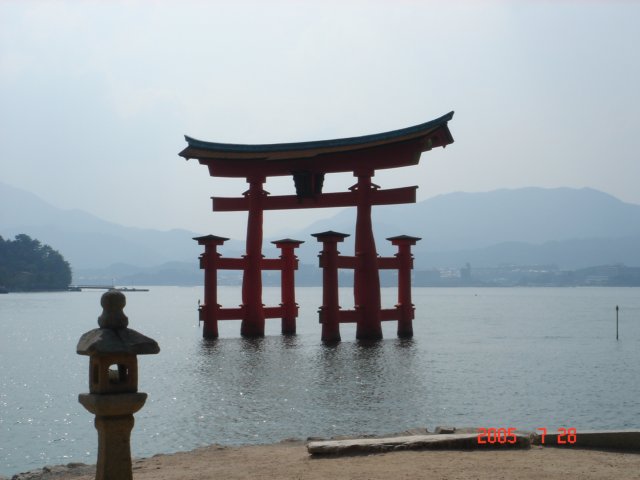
pixel 307 163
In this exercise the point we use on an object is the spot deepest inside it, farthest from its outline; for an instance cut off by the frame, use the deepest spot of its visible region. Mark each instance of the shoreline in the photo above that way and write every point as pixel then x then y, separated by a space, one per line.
pixel 291 459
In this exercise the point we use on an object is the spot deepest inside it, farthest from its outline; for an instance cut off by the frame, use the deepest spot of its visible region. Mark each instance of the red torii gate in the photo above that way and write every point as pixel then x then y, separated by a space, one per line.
pixel 307 163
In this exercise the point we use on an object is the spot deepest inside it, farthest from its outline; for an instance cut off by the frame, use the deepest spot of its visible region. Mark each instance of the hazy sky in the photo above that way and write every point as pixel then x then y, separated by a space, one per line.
pixel 95 96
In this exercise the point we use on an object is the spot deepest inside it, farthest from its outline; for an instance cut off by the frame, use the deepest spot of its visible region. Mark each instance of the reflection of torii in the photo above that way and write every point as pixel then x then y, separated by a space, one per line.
pixel 308 162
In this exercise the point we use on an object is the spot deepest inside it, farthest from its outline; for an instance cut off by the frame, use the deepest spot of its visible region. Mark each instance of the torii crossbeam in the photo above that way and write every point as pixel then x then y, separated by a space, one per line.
pixel 307 163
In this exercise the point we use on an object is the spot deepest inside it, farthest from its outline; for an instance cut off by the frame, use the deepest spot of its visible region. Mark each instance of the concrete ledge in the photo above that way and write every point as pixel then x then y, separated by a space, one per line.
pixel 620 440
pixel 454 441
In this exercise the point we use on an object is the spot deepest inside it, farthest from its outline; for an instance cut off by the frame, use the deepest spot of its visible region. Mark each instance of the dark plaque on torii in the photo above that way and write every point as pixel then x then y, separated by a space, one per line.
pixel 308 163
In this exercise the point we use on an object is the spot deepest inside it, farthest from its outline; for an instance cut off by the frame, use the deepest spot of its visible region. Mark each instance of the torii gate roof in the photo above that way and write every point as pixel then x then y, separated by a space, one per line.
pixel 391 149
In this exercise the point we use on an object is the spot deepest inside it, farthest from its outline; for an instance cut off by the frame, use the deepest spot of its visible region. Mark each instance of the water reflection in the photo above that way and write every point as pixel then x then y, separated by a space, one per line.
pixel 209 346
pixel 290 341
pixel 404 343
pixel 249 385
pixel 251 345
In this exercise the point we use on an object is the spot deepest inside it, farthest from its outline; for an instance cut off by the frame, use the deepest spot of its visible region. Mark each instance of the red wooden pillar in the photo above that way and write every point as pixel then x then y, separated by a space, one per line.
pixel 208 312
pixel 405 265
pixel 328 312
pixel 287 284
pixel 366 278
pixel 253 309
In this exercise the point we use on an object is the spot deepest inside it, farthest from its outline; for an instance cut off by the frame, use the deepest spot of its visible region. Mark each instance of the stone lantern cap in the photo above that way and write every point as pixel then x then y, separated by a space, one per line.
pixel 102 341
pixel 113 337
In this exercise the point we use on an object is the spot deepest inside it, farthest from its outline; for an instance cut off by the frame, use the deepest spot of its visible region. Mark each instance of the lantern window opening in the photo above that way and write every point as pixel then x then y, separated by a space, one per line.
pixel 118 375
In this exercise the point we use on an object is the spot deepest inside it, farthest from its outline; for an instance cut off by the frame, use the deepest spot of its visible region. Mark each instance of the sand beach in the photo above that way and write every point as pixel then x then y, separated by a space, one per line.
pixel 290 460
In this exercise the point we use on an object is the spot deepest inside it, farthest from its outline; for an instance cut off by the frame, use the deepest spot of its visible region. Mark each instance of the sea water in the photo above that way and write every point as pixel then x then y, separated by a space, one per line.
pixel 515 357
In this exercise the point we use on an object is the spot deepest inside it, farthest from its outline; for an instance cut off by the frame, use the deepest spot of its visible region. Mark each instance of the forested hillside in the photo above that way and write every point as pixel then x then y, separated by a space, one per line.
pixel 26 264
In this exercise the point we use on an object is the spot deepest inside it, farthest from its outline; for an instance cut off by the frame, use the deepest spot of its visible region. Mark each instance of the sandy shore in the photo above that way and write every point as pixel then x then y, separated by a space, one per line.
pixel 290 460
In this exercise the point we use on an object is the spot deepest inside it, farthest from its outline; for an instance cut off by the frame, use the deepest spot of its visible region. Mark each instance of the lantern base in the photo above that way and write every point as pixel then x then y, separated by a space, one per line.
pixel 112 405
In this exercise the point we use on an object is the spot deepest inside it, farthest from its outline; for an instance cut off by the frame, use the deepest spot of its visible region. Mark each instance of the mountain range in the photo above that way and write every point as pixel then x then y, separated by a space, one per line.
pixel 571 228
pixel 79 235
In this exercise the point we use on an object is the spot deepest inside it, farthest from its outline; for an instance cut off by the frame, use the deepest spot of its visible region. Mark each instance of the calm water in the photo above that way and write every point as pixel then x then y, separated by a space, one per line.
pixel 523 358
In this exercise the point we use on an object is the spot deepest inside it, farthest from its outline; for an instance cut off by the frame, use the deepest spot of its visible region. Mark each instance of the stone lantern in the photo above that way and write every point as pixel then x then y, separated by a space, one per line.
pixel 113 384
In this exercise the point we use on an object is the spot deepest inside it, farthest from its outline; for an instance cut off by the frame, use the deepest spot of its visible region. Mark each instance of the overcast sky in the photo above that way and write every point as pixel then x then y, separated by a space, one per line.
pixel 95 97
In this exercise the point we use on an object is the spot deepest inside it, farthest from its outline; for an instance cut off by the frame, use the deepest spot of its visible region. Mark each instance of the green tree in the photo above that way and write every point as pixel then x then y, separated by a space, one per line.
pixel 26 264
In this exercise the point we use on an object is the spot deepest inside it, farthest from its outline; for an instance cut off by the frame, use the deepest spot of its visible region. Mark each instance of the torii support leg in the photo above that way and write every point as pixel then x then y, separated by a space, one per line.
pixel 329 311
pixel 405 265
pixel 287 284
pixel 209 262
pixel 253 318
pixel 210 307
pixel 366 278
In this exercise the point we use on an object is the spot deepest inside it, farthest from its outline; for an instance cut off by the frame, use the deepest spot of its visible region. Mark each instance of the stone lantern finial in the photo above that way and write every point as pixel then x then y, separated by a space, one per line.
pixel 113 317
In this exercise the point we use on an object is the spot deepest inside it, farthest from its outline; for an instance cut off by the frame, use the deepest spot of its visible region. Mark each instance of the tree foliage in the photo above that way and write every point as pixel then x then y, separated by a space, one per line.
pixel 26 264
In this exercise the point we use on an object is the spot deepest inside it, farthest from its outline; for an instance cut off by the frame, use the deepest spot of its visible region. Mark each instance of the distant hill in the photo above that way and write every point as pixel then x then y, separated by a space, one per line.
pixel 28 265
pixel 169 273
pixel 462 221
pixel 567 254
pixel 571 228
pixel 87 241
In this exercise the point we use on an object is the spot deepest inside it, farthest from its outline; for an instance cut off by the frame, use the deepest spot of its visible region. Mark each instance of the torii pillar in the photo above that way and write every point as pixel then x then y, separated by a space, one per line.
pixel 253 321
pixel 366 281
